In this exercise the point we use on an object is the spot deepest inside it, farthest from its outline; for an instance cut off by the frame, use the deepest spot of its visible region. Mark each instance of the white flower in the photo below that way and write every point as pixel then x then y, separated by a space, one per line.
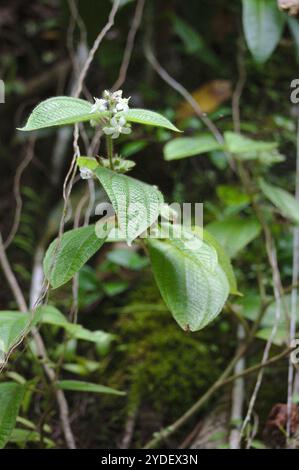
pixel 122 105
pixel 118 125
pixel 100 105
pixel 85 173
pixel 106 95
pixel 117 95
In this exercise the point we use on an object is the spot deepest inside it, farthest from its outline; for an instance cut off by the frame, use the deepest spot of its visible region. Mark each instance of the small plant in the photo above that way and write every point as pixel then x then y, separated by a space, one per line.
pixel 193 273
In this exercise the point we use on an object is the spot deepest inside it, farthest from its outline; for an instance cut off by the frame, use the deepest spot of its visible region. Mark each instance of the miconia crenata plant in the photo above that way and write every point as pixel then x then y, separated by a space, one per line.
pixel 193 273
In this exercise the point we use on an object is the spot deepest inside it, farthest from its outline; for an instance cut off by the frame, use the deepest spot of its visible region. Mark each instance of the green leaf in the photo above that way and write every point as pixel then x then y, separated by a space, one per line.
pixel 245 146
pixel 87 162
pixel 279 338
pixel 63 110
pixel 234 233
pixel 136 204
pixel 190 279
pixel 26 435
pixel 269 317
pixel 149 118
pixel 11 397
pixel 232 196
pixel 251 308
pixel 285 202
pixel 74 250
pixel 293 24
pixel 223 261
pixel 80 386
pixel 51 316
pixel 58 111
pixel 127 259
pixel 112 288
pixel 194 42
pixel 13 326
pixel 189 146
pixel 263 25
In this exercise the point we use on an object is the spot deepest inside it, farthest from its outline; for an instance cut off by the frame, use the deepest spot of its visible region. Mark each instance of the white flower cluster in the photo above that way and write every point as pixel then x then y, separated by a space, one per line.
pixel 86 173
pixel 113 103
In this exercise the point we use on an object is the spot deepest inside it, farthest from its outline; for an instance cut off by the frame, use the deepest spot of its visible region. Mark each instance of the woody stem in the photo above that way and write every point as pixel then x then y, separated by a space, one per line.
pixel 109 143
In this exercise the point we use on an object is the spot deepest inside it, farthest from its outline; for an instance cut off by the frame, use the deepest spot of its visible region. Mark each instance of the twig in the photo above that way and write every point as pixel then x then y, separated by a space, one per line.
pixel 129 429
pixel 17 193
pixel 257 367
pixel 238 388
pixel 224 379
pixel 189 413
pixel 237 396
pixel 41 350
pixel 276 283
pixel 11 279
pixel 294 296
pixel 95 46
pixel 183 92
pixel 75 19
pixel 245 178
pixel 129 45
pixel 238 90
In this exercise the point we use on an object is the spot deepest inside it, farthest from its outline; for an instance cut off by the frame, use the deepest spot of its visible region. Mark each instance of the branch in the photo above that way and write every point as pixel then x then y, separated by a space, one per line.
pixel 294 296
pixel 95 46
pixel 129 45
pixel 40 347
pixel 223 380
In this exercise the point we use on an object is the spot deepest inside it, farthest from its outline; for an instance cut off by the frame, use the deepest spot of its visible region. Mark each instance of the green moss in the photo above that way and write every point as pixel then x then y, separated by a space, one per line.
pixel 165 368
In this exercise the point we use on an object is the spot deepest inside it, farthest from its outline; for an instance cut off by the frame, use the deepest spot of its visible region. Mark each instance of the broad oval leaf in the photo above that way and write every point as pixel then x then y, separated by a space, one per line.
pixel 136 204
pixel 245 148
pixel 240 144
pixel 63 110
pixel 223 261
pixel 189 146
pixel 13 326
pixel 193 286
pixel 80 386
pixel 11 397
pixel 64 259
pixel 263 24
pixel 149 118
pixel 58 111
pixel 49 315
pixel 285 202
pixel 234 233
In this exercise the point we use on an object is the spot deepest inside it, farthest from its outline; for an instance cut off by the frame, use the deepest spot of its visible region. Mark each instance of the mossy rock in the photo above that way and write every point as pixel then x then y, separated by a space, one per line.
pixel 164 368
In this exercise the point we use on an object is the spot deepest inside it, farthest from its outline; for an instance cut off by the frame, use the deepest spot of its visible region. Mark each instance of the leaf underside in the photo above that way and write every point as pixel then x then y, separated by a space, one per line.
pixel 284 201
pixel 136 204
pixel 65 258
pixel 190 279
pixel 183 147
pixel 64 110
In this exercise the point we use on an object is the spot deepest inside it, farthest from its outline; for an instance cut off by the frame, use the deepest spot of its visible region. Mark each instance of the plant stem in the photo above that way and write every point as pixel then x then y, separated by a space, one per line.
pixel 223 380
pixel 110 151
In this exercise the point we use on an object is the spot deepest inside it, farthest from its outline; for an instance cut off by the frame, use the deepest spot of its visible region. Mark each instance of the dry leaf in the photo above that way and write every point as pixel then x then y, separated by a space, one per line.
pixel 209 97
pixel 292 6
